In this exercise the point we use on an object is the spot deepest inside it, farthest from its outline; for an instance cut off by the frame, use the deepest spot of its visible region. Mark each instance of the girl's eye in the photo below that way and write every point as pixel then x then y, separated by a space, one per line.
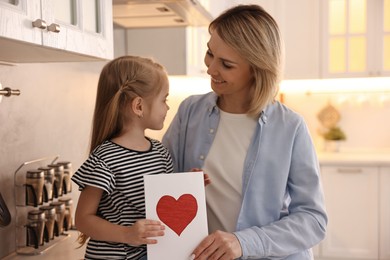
pixel 208 52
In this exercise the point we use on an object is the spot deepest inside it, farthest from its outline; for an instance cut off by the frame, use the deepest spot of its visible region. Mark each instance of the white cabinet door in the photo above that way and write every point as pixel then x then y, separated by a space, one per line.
pixel 384 215
pixel 197 38
pixel 85 26
pixel 351 196
pixel 16 20
pixel 356 38
pixel 66 33
pixel 299 22
pixel 181 50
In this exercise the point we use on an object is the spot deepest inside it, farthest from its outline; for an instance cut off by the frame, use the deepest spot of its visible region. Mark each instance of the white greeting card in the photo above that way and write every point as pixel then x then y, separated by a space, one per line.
pixel 177 200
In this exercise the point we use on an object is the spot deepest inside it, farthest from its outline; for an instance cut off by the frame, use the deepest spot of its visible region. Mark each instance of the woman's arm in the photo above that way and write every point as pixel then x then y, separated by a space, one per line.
pixel 97 228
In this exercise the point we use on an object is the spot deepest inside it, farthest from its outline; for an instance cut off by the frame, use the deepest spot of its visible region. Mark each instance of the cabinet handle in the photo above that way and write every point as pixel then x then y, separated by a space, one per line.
pixel 7 92
pixel 54 28
pixel 349 170
pixel 39 23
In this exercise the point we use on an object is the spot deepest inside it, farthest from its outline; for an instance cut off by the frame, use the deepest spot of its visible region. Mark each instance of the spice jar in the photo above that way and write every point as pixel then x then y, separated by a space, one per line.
pixel 68 219
pixel 50 218
pixel 60 215
pixel 48 183
pixel 67 185
pixel 34 187
pixel 35 228
pixel 58 179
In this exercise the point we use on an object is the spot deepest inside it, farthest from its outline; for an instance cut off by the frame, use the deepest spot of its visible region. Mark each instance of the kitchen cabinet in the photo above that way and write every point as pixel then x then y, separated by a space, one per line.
pixel 46 30
pixel 180 49
pixel 356 38
pixel 215 8
pixel 357 198
pixel 384 216
pixel 299 23
pixel 351 197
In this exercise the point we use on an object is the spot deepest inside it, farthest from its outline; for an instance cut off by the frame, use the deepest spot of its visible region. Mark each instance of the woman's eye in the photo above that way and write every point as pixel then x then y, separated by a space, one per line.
pixel 226 65
pixel 208 52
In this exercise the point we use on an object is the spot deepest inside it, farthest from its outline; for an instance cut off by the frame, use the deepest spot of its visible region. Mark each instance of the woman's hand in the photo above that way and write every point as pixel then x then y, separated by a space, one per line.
pixel 218 245
pixel 206 177
pixel 142 230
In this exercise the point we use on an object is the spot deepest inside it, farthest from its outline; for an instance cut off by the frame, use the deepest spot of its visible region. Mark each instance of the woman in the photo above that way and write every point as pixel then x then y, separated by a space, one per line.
pixel 265 199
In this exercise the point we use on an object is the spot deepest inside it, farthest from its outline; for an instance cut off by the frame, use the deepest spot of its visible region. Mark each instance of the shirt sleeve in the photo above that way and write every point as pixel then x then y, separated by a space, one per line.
pixel 95 172
pixel 303 224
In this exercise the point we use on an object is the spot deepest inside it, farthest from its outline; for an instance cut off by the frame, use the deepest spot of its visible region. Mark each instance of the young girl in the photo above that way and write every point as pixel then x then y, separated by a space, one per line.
pixel 131 97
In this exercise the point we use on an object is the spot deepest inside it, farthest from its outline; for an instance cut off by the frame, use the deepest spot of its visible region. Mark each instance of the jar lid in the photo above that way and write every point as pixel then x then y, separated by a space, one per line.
pixel 47 171
pixel 36 215
pixel 67 201
pixel 58 205
pixel 35 174
pixel 57 167
pixel 49 210
pixel 67 165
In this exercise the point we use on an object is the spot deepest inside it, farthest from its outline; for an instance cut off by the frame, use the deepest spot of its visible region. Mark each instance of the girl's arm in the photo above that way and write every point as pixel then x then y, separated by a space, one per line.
pixel 97 228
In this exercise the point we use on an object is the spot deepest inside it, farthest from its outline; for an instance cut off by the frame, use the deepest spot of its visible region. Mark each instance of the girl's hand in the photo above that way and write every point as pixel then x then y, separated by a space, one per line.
pixel 142 230
pixel 206 177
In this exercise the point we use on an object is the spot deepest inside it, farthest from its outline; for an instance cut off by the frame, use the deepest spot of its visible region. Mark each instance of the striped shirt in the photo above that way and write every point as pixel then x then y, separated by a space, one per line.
pixel 119 172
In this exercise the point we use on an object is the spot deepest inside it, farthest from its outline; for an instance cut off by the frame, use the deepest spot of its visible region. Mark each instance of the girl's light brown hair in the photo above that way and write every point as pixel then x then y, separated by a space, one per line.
pixel 254 34
pixel 121 80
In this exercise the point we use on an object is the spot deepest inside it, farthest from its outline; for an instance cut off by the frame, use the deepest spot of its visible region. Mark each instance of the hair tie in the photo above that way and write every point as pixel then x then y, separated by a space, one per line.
pixel 126 85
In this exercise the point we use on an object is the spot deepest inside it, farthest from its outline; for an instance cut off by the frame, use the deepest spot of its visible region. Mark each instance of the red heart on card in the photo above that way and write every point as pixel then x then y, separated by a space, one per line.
pixel 177 214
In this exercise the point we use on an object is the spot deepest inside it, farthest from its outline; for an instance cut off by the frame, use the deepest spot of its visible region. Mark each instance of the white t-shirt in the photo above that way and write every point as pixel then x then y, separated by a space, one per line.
pixel 224 165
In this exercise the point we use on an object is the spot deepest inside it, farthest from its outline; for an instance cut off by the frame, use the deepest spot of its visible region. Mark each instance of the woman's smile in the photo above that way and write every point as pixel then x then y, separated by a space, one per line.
pixel 217 81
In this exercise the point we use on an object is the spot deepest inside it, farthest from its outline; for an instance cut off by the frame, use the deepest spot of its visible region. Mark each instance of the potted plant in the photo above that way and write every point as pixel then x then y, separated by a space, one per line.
pixel 333 137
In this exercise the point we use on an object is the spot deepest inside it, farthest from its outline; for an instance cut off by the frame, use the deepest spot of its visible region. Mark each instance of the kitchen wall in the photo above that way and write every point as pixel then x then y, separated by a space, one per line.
pixel 363 104
pixel 52 116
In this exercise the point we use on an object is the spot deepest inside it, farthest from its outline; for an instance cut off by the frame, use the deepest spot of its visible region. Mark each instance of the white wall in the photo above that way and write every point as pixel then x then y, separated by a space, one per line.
pixel 52 116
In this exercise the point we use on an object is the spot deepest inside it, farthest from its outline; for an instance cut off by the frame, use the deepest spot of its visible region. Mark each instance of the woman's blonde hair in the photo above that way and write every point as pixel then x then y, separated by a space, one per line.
pixel 254 34
pixel 121 80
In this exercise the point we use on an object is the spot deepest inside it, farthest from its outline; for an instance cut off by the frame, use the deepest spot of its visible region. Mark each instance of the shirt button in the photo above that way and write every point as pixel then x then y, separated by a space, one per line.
pixel 211 130
pixel 201 157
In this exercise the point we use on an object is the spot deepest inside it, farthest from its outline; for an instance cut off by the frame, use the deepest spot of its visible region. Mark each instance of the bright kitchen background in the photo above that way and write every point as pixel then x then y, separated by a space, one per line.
pixel 53 114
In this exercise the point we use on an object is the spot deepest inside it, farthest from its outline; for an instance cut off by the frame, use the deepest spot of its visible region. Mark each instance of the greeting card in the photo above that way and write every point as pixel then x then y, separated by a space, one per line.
pixel 178 201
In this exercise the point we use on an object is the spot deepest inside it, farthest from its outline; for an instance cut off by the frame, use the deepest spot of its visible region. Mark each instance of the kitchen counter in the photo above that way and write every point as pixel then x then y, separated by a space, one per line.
pixel 63 250
pixel 355 158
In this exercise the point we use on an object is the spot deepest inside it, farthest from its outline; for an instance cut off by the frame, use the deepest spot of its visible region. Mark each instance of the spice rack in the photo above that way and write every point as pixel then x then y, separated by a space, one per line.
pixel 24 209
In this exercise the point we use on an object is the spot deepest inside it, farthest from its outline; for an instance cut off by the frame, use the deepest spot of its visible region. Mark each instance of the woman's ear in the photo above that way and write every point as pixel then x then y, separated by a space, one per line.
pixel 137 106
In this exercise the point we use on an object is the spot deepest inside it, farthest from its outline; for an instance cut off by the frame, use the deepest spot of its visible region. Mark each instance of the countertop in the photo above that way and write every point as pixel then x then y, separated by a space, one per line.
pixel 355 158
pixel 65 249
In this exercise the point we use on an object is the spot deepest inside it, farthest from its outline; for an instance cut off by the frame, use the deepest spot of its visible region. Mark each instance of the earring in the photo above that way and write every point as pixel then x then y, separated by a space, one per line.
pixel 140 115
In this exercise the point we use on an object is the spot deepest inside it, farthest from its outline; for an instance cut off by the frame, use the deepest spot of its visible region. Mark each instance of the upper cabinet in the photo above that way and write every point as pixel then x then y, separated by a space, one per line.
pixel 356 38
pixel 180 49
pixel 299 23
pixel 55 30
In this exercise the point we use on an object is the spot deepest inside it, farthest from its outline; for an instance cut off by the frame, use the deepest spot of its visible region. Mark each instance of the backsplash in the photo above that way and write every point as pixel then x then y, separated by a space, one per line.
pixel 52 116
pixel 363 109
pixel 364 106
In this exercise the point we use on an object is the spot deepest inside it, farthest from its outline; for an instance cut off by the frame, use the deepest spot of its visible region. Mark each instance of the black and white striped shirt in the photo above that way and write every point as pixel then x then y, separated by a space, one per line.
pixel 119 172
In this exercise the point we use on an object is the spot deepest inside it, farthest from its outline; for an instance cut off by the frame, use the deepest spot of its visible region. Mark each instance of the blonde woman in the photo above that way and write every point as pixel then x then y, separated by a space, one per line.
pixel 265 199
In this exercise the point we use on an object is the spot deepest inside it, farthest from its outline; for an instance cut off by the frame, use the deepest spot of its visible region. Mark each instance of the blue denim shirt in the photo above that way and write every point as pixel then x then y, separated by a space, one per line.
pixel 282 213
